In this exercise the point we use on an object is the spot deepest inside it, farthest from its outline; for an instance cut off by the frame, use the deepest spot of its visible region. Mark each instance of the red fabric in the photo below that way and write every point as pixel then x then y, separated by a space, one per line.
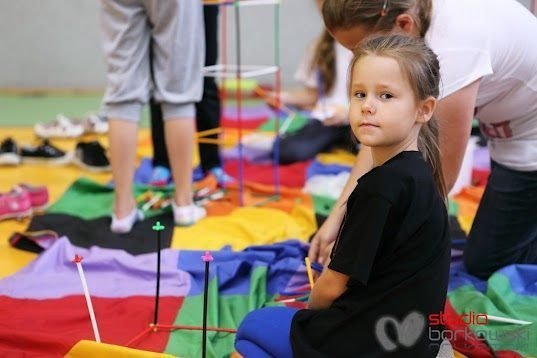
pixel 292 175
pixel 50 328
pixel 250 123
pixel 480 176
pixel 464 341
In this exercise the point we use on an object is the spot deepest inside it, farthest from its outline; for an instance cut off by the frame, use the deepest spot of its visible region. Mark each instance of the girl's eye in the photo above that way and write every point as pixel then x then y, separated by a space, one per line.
pixel 386 96
pixel 359 95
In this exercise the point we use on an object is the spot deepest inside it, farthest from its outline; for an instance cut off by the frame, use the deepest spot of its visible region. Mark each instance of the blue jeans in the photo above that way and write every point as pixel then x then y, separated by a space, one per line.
pixel 265 333
pixel 504 231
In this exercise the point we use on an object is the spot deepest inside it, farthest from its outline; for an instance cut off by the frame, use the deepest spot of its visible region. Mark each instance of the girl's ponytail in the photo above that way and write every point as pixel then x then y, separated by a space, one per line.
pixel 429 148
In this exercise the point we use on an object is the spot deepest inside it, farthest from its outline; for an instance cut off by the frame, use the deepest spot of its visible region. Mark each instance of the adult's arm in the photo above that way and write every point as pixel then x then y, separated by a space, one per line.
pixel 455 113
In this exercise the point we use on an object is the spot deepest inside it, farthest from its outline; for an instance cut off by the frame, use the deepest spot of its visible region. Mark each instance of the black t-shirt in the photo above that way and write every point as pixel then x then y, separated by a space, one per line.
pixel 394 245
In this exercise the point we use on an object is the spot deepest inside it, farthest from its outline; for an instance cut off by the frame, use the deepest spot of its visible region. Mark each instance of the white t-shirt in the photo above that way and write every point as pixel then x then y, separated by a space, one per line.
pixel 338 96
pixel 495 40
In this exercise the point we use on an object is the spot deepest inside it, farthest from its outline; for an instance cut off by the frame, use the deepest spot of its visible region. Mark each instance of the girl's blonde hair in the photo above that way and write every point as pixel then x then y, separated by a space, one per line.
pixel 375 15
pixel 420 66
pixel 324 61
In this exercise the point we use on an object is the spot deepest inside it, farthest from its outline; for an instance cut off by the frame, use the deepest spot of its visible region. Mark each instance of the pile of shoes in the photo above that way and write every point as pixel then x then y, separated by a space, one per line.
pixel 65 127
pixel 88 155
pixel 44 152
pixel 22 201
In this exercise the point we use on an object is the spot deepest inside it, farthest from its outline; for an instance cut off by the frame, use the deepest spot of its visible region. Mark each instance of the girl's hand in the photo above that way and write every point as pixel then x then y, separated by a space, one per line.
pixel 323 241
pixel 271 99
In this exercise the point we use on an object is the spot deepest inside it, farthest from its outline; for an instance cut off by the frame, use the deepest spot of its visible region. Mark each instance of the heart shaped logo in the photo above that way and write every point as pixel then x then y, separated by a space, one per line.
pixel 408 332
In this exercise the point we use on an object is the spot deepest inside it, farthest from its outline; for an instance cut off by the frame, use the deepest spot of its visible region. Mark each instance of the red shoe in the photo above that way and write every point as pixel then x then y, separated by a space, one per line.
pixel 15 205
pixel 38 195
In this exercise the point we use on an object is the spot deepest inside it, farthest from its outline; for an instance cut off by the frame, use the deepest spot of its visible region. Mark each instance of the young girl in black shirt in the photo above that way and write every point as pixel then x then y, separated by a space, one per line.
pixel 389 266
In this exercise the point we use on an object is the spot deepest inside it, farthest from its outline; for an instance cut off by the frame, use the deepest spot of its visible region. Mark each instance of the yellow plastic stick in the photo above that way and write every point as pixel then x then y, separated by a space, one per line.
pixel 308 269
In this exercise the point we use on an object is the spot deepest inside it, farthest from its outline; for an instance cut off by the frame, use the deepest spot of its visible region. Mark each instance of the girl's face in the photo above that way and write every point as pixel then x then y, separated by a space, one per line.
pixel 383 108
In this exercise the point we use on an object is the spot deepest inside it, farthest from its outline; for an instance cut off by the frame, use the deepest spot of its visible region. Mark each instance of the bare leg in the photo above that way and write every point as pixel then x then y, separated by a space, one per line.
pixel 123 137
pixel 179 134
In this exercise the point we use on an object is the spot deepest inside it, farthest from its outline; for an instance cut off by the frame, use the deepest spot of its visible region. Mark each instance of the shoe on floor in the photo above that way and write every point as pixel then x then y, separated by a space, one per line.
pixel 38 195
pixel 9 152
pixel 61 127
pixel 91 156
pixel 187 215
pixel 94 124
pixel 44 153
pixel 15 204
pixel 124 225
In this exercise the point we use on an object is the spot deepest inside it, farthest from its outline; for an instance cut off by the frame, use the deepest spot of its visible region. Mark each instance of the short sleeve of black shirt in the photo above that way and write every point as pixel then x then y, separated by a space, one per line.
pixel 354 256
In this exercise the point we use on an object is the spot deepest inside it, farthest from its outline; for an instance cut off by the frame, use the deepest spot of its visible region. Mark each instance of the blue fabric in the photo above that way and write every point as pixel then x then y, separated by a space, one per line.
pixel 266 333
pixel 143 172
pixel 459 277
pixel 318 168
pixel 233 269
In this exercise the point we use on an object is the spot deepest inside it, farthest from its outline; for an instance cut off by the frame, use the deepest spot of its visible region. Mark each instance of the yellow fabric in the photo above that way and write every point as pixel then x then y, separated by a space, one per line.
pixel 468 202
pixel 246 226
pixel 90 349
pixel 338 156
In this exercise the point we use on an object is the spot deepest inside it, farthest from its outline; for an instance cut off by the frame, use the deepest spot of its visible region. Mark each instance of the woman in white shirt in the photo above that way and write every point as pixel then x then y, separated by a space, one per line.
pixel 489 69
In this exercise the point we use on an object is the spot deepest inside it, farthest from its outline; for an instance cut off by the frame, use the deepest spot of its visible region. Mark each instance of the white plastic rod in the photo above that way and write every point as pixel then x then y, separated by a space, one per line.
pixel 78 261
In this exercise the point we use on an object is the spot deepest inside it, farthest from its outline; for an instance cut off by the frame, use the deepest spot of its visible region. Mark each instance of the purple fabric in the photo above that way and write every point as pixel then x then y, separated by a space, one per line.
pixel 250 154
pixel 481 158
pixel 249 112
pixel 109 273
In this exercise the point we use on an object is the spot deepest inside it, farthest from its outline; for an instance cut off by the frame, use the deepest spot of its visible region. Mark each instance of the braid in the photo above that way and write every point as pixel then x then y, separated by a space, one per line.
pixel 324 60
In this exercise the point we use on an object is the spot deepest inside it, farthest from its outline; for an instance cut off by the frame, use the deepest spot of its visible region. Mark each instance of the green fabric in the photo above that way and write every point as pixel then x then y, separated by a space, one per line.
pixel 88 200
pixel 224 311
pixel 323 205
pixel 247 84
pixel 297 123
pixel 500 300
pixel 453 208
pixel 245 103
pixel 17 110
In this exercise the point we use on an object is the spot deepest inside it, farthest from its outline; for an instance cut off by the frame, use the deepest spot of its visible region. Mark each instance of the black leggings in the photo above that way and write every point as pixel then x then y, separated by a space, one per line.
pixel 207 111
pixel 312 139
pixel 504 231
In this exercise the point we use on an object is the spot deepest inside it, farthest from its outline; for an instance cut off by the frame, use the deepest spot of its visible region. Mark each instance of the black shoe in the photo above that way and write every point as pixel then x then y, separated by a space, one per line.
pixel 45 153
pixel 91 156
pixel 9 153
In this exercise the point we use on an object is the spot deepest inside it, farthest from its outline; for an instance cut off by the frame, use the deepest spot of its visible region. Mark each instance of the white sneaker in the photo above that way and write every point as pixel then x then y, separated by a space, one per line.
pixel 61 127
pixel 123 226
pixel 187 215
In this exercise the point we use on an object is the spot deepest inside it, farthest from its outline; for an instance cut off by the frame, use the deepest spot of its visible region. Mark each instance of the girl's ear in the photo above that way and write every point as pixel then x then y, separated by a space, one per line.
pixel 426 109
pixel 406 24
